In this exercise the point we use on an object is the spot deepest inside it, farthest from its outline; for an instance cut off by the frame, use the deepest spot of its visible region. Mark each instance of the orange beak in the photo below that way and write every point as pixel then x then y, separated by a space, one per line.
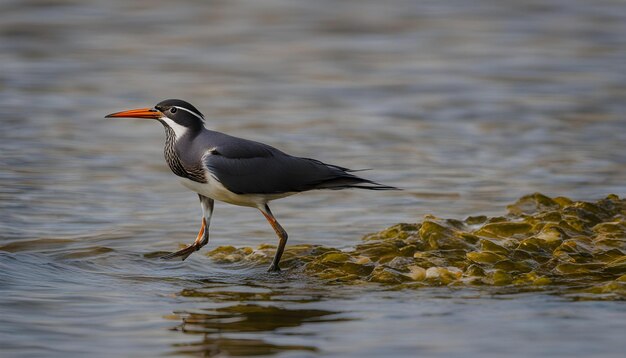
pixel 137 113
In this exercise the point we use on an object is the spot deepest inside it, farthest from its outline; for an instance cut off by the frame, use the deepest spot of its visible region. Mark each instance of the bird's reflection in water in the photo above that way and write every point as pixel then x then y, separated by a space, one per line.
pixel 222 346
pixel 252 325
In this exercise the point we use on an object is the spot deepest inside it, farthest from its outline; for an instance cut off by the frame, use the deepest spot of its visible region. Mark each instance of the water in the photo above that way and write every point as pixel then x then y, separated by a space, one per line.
pixel 465 105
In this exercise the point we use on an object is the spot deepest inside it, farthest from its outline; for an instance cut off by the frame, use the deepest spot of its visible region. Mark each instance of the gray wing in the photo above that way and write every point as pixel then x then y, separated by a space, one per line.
pixel 247 167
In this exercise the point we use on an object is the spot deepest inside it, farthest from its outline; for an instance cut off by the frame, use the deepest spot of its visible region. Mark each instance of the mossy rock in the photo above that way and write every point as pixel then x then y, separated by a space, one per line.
pixel 440 237
pixel 485 257
pixel 542 242
pixel 386 275
pixel 504 229
pixel 531 204
pixel 617 266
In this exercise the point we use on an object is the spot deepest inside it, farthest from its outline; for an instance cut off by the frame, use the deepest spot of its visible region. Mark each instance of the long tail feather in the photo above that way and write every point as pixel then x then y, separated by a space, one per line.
pixel 352 181
pixel 375 187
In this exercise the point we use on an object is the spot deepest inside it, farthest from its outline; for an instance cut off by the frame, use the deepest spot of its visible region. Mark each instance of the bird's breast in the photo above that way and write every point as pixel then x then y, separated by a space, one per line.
pixel 215 190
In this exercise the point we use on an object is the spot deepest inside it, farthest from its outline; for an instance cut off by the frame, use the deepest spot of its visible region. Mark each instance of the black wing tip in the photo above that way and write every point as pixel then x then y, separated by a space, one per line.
pixel 375 186
pixel 357 183
pixel 372 185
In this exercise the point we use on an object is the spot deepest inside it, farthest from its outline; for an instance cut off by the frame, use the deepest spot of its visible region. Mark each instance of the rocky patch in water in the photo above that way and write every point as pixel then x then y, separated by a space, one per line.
pixel 541 243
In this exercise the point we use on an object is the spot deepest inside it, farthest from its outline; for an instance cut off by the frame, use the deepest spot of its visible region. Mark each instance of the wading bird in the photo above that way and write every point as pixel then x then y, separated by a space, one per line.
pixel 238 171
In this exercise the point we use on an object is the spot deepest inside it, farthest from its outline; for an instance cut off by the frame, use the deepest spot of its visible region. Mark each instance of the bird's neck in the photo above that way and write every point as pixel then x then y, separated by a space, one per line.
pixel 171 156
pixel 192 171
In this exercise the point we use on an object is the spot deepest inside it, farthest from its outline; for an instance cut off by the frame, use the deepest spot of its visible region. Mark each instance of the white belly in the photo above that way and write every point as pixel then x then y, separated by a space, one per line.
pixel 215 190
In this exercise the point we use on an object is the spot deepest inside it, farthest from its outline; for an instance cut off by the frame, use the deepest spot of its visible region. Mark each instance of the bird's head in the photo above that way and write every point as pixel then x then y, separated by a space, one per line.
pixel 177 114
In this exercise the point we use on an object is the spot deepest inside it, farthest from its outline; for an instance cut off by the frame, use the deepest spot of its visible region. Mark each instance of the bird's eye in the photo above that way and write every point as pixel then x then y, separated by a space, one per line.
pixel 173 110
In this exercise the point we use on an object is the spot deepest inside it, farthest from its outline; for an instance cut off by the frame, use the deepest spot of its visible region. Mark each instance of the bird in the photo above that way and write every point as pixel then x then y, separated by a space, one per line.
pixel 238 171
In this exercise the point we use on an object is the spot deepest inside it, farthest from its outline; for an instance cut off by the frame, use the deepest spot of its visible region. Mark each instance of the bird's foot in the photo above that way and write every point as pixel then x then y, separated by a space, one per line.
pixel 182 254
pixel 273 268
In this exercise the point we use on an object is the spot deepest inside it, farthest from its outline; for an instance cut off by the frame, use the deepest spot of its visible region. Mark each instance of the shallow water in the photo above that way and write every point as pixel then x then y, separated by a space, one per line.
pixel 466 105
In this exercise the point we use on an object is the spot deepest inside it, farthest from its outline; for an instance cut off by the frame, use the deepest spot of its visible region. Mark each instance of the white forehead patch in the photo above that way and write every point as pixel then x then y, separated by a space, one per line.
pixel 192 112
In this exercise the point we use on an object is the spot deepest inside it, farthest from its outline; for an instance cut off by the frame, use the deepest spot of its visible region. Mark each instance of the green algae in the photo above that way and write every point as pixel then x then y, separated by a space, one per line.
pixel 542 242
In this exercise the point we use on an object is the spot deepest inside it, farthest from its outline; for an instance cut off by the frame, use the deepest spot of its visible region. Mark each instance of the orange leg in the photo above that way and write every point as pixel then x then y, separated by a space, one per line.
pixel 203 235
pixel 200 241
pixel 282 238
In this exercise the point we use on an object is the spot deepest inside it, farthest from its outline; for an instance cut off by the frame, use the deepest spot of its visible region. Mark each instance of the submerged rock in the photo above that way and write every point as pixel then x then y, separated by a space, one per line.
pixel 541 242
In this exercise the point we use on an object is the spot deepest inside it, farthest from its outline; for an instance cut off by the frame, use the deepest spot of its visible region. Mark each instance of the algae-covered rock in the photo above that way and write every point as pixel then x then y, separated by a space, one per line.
pixel 615 227
pixel 488 245
pixel 401 263
pixel 533 203
pixel 335 257
pixel 229 254
pixel 612 290
pixel 531 278
pixel 552 233
pixel 380 250
pixel 362 260
pixel 476 220
pixel 537 247
pixel 485 257
pixel 387 275
pixel 475 270
pixel 542 242
pixel 617 266
pixel 417 273
pixel 515 266
pixel 437 236
pixel 443 275
pixel 399 231
pixel 501 277
pixel 504 229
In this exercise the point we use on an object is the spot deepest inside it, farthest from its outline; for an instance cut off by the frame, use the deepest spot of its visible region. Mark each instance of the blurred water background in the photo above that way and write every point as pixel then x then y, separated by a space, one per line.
pixel 467 105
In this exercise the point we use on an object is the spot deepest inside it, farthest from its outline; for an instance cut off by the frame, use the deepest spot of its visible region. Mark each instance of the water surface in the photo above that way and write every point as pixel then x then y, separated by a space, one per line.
pixel 466 105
